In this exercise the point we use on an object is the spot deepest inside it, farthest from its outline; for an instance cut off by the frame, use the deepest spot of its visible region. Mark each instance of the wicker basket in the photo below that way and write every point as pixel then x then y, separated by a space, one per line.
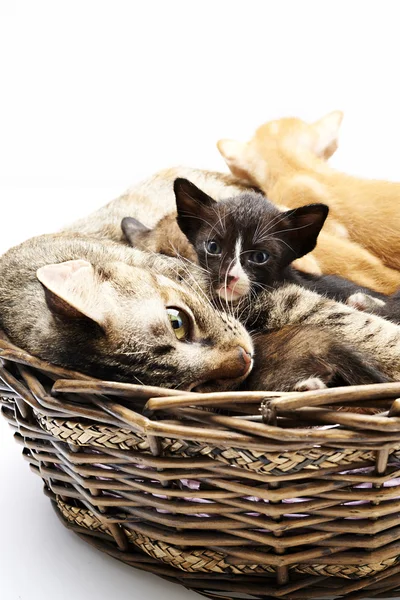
pixel 274 495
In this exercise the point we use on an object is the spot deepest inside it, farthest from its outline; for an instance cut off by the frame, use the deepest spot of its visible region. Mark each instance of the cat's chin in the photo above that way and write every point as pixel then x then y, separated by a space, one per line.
pixel 218 385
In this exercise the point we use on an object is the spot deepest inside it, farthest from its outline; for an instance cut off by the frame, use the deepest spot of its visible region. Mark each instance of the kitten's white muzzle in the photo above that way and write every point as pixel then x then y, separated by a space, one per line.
pixel 237 283
pixel 234 293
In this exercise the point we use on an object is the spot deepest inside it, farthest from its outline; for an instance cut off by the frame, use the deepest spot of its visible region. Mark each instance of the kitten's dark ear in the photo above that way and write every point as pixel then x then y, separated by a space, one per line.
pixel 131 228
pixel 191 205
pixel 305 223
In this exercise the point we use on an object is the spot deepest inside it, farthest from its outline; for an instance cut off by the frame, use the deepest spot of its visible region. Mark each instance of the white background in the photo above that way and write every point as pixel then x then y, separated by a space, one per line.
pixel 95 95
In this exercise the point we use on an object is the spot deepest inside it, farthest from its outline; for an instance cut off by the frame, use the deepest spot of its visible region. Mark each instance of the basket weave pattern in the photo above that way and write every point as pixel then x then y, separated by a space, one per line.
pixel 273 495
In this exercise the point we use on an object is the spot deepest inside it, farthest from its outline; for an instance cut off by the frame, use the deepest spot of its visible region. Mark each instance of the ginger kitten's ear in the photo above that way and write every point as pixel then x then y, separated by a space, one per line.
pixel 301 234
pixel 70 290
pixel 234 154
pixel 327 130
pixel 192 206
pixel 132 228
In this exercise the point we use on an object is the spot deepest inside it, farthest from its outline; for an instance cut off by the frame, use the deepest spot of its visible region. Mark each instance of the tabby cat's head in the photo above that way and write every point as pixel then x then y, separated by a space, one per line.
pixel 245 243
pixel 128 323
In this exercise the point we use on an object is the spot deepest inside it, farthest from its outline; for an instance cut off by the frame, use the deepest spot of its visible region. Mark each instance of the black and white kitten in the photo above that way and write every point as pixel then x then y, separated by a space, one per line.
pixel 247 244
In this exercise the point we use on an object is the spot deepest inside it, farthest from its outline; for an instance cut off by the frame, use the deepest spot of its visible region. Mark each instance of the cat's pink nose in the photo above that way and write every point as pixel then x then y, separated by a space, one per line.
pixel 246 357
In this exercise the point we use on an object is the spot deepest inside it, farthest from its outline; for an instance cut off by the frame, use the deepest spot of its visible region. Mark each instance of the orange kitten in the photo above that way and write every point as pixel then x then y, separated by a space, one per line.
pixel 287 160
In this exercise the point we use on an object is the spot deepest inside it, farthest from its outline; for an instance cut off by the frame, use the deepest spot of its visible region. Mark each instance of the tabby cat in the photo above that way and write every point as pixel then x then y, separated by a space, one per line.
pixel 116 313
pixel 307 357
pixel 305 340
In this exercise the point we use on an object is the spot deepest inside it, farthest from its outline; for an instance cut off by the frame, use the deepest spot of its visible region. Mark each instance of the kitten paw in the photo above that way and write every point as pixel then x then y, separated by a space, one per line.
pixel 307 385
pixel 364 302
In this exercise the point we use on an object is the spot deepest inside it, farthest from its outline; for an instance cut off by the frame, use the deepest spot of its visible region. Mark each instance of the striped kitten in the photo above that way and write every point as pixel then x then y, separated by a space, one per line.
pixel 286 360
pixel 336 344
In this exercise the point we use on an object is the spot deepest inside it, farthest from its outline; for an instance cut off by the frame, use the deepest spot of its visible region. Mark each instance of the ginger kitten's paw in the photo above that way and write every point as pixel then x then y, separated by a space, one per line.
pixel 307 385
pixel 364 302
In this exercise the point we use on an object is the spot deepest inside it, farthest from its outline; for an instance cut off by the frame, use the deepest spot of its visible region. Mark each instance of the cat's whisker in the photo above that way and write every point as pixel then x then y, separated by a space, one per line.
pixel 255 235
pixel 223 219
pixel 224 305
pixel 219 222
pixel 190 273
pixel 294 229
pixel 244 308
pixel 273 236
pixel 255 335
pixel 204 298
pixel 286 244
pixel 220 265
pixel 226 286
pixel 263 286
pixel 219 279
pixel 191 264
pixel 197 218
pixel 273 223
pixel 268 226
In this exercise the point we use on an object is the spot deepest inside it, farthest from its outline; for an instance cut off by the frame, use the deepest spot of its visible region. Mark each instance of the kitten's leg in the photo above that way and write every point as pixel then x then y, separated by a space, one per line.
pixel 307 385
pixel 364 302
pixel 368 334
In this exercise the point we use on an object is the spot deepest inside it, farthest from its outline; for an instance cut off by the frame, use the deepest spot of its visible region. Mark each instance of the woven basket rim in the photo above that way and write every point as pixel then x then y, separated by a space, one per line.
pixel 288 489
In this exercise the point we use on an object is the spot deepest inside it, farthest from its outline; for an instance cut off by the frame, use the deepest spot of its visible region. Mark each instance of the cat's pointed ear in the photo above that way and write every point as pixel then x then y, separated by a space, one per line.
pixel 131 228
pixel 192 205
pixel 327 130
pixel 234 154
pixel 71 290
pixel 301 233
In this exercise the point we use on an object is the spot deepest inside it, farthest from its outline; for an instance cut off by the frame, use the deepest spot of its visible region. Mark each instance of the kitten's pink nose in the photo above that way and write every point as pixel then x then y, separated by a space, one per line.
pixel 232 279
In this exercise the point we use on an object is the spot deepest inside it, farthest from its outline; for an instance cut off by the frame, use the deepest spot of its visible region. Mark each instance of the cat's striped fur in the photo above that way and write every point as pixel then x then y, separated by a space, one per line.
pixel 371 338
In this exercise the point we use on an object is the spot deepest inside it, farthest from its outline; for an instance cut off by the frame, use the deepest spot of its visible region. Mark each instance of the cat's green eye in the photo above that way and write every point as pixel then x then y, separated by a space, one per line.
pixel 212 247
pixel 180 323
pixel 259 257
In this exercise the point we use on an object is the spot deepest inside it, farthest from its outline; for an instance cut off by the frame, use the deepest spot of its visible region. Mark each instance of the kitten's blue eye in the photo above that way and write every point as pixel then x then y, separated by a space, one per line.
pixel 212 247
pixel 259 257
